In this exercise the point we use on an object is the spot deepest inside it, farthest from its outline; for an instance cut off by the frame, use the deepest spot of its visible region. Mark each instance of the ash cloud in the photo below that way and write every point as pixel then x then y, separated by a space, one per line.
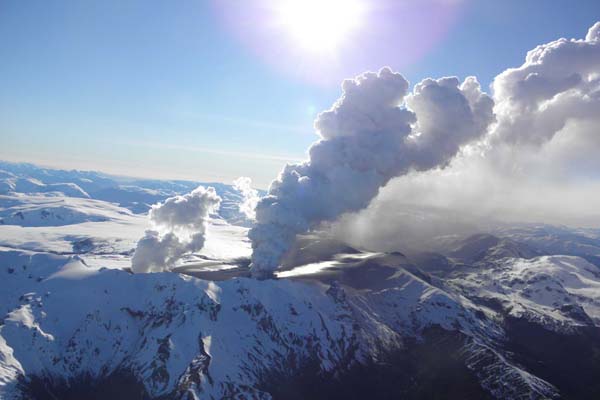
pixel 376 131
pixel 539 162
pixel 179 227
pixel 550 105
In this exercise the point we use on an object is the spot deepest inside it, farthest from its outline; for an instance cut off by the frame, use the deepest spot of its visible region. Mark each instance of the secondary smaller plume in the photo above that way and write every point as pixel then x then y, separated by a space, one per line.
pixel 179 227
pixel 250 197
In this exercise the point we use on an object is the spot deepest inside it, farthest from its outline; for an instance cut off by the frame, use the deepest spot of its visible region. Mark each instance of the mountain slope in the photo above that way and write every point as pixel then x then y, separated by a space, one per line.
pixel 69 326
pixel 176 334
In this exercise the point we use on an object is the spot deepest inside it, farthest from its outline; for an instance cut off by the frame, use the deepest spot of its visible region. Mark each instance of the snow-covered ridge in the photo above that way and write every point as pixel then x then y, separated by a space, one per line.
pixel 176 334
pixel 136 195
pixel 180 335
pixel 560 292
pixel 40 210
pixel 64 316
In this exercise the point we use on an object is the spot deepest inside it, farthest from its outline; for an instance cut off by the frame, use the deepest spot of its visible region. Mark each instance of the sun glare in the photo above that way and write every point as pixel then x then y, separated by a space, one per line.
pixel 319 25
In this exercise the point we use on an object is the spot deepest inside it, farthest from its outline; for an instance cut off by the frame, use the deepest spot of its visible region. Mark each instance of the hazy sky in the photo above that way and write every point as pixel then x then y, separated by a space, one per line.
pixel 212 90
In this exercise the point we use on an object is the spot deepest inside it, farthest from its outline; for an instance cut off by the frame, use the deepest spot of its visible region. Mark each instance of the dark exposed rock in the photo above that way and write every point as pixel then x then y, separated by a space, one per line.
pixel 571 362
pixel 433 368
pixel 121 385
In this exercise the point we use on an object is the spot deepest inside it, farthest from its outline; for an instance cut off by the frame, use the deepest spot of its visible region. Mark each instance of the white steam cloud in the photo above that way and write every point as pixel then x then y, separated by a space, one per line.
pixel 376 131
pixel 552 102
pixel 250 197
pixel 539 163
pixel 179 227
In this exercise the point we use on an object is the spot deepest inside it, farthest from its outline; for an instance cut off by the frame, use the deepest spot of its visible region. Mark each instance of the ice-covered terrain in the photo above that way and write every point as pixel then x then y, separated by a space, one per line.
pixel 176 334
pixel 179 336
pixel 104 218
pixel 56 210
pixel 505 314
pixel 20 182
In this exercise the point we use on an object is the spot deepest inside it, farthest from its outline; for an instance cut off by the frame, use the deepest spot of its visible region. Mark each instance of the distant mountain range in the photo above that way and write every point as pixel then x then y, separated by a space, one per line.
pixel 136 195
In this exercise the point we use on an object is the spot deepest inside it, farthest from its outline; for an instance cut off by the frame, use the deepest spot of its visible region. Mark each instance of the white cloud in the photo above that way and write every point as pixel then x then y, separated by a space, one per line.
pixel 559 81
pixel 539 162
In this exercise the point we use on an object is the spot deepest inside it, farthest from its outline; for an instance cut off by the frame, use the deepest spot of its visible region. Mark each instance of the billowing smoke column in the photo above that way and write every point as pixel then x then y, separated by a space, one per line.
pixel 558 83
pixel 539 163
pixel 376 131
pixel 250 197
pixel 179 228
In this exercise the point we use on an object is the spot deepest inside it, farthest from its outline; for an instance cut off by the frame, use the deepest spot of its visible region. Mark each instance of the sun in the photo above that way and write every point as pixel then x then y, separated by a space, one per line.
pixel 319 25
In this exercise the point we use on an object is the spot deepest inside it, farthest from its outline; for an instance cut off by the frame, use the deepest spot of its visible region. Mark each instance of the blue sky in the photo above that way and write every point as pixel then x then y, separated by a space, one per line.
pixel 173 89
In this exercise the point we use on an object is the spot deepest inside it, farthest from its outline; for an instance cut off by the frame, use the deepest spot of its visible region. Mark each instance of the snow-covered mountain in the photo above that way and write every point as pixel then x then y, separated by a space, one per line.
pixel 176 335
pixel 509 314
pixel 182 337
pixel 558 240
pixel 136 195
pixel 68 325
pixel 40 210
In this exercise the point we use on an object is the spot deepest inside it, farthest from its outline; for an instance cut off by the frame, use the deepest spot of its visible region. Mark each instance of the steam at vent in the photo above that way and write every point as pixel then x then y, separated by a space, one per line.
pixel 250 196
pixel 179 227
